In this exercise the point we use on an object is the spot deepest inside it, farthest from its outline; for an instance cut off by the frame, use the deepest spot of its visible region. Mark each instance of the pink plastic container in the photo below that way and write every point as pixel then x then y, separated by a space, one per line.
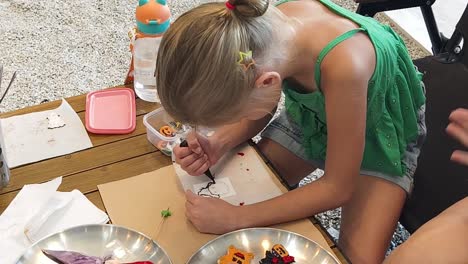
pixel 111 111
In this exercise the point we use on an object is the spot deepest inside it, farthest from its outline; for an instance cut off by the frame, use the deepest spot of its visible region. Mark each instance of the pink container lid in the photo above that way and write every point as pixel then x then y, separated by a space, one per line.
pixel 111 111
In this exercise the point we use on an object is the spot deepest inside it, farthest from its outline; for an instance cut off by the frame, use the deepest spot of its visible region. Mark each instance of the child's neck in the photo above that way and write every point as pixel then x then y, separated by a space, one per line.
pixel 299 50
pixel 316 26
pixel 300 63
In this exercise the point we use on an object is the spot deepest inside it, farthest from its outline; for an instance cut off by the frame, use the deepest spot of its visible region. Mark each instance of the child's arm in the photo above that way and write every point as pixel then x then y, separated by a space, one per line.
pixel 345 89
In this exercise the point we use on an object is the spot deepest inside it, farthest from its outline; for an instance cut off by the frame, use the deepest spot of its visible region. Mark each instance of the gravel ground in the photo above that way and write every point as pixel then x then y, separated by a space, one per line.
pixel 67 48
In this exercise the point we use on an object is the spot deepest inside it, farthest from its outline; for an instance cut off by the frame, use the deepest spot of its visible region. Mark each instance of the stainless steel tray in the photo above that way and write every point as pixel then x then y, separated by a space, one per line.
pixel 258 240
pixel 99 240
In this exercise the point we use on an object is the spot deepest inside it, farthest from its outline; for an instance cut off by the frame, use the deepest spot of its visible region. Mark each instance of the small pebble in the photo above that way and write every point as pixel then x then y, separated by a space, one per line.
pixel 334 233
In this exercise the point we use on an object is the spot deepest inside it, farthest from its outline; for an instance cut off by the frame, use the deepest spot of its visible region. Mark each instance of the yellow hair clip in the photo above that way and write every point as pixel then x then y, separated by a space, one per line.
pixel 246 59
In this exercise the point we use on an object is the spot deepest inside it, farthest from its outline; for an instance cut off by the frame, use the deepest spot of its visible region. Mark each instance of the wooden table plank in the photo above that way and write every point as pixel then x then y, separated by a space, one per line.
pixel 96 199
pixel 87 181
pixel 5 200
pixel 78 162
pixel 143 107
pixel 314 220
pixel 340 255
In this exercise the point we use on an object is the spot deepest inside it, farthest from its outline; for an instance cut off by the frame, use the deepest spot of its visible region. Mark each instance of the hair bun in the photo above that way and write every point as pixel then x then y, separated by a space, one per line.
pixel 249 8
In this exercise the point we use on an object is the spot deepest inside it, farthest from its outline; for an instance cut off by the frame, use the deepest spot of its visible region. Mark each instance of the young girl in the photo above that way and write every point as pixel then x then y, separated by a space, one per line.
pixel 354 106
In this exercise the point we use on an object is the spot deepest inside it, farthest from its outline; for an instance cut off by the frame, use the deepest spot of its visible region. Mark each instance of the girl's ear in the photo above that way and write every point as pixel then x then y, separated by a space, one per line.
pixel 268 79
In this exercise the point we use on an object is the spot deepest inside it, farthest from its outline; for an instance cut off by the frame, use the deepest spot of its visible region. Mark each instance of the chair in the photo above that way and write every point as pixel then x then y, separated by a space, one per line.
pixel 439 182
pixel 372 7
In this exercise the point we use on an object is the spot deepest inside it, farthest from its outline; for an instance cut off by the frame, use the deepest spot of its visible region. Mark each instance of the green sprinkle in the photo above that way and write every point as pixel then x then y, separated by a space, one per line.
pixel 166 213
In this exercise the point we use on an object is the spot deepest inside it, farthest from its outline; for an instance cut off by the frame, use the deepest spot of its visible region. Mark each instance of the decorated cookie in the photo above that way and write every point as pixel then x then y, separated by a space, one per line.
pixel 277 255
pixel 279 250
pixel 236 256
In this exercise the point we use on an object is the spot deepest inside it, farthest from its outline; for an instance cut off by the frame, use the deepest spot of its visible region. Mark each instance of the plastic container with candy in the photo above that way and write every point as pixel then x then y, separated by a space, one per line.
pixel 162 131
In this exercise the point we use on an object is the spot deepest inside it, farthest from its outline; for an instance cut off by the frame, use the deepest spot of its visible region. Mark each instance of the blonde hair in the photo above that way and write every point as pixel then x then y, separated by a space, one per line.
pixel 199 79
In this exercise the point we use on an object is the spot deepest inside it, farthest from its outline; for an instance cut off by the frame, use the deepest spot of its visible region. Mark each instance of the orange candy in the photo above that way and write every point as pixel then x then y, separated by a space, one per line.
pixel 166 131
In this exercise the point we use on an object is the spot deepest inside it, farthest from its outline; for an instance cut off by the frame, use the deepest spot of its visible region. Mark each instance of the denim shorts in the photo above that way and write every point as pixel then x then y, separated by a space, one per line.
pixel 284 131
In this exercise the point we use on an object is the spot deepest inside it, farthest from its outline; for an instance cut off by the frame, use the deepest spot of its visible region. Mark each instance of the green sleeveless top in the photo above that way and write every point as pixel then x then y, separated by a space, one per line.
pixel 393 99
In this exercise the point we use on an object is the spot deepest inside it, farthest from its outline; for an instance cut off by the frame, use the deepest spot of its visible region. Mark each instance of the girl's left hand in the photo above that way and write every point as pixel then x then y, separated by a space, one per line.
pixel 210 215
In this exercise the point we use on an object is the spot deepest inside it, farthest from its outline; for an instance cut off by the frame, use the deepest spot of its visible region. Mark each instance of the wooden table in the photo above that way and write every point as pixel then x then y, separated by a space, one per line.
pixel 113 157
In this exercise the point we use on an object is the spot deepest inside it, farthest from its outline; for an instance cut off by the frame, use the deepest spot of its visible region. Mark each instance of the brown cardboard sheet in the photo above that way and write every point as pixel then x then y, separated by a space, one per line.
pixel 137 203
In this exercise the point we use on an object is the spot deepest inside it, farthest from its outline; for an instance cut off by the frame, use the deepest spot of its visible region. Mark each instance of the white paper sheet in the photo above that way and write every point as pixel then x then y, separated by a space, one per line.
pixel 221 189
pixel 243 170
pixel 28 139
pixel 38 211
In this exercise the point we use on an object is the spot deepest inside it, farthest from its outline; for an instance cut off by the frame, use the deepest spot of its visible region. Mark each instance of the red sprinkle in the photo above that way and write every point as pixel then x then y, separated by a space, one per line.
pixel 241 204
pixel 241 154
pixel 240 255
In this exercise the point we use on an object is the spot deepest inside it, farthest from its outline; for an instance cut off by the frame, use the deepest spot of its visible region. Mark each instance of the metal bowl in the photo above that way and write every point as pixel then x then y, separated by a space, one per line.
pixel 258 240
pixel 99 240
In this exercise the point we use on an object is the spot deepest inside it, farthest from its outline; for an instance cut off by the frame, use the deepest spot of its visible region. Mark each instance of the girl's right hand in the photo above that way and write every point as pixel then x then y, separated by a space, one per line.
pixel 200 155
